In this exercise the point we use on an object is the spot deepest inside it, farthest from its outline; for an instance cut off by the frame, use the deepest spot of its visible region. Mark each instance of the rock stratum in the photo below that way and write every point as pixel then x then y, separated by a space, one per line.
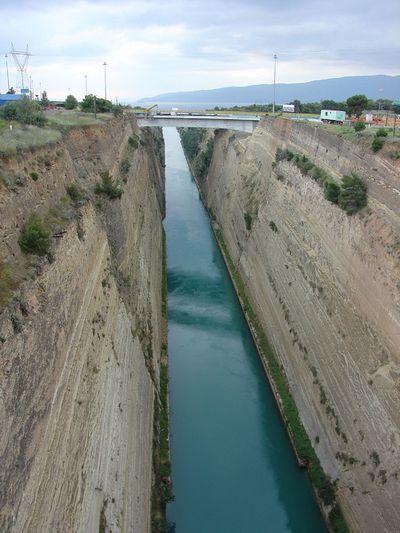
pixel 325 287
pixel 80 344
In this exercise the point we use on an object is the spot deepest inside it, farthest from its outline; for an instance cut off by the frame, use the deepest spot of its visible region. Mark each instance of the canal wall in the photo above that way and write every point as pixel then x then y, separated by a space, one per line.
pixel 81 336
pixel 323 286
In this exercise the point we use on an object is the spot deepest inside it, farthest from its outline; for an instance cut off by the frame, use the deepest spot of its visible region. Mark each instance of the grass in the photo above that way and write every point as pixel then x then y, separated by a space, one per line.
pixel 23 138
pixel 68 119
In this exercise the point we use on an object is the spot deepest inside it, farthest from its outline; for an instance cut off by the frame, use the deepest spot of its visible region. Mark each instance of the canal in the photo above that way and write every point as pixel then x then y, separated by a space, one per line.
pixel 233 470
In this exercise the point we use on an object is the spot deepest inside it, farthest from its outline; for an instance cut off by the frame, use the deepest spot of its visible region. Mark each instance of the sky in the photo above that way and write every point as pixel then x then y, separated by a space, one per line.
pixel 154 47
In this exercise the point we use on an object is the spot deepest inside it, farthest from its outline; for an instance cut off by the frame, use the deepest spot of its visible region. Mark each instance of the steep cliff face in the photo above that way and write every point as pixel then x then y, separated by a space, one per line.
pixel 325 287
pixel 80 344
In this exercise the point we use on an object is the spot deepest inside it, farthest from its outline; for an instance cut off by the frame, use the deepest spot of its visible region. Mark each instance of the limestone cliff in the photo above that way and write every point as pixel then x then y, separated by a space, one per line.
pixel 80 342
pixel 325 287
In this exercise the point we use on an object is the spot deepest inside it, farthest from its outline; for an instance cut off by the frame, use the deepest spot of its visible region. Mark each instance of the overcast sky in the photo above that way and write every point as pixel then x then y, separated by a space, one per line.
pixel 153 47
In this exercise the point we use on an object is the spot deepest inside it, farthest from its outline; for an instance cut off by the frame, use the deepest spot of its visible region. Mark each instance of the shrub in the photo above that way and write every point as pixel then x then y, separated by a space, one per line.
pixel 353 194
pixel 76 194
pixel 35 237
pixel 117 110
pixel 25 111
pixel 133 141
pixel 359 126
pixel 91 103
pixel 248 220
pixel 124 167
pixel 34 176
pixel 377 144
pixel 273 226
pixel 381 133
pixel 71 102
pixel 7 284
pixel 332 191
pixel 108 186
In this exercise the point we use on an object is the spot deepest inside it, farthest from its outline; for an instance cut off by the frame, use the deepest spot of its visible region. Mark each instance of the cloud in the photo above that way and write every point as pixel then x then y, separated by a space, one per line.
pixel 154 47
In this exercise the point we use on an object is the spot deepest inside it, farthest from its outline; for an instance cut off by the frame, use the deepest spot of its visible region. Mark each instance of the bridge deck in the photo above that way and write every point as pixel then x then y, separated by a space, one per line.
pixel 239 123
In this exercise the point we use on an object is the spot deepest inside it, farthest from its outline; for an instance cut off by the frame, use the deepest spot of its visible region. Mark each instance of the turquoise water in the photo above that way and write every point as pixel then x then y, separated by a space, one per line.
pixel 233 470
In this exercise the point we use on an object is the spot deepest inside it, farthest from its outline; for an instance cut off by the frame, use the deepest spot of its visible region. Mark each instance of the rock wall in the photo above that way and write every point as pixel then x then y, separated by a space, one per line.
pixel 80 344
pixel 325 287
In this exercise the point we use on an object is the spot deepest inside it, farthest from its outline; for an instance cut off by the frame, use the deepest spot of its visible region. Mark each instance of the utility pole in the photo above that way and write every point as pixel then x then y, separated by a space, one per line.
pixel 273 105
pixel 85 84
pixel 105 80
pixel 8 78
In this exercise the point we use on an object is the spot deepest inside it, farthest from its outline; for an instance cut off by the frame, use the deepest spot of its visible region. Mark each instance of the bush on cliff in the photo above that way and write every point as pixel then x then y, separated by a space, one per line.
pixel 35 237
pixel 108 186
pixel 332 191
pixel 359 126
pixel 353 194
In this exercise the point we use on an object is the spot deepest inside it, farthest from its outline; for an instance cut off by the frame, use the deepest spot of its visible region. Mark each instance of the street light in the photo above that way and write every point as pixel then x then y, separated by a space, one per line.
pixel 105 80
pixel 273 105
pixel 8 79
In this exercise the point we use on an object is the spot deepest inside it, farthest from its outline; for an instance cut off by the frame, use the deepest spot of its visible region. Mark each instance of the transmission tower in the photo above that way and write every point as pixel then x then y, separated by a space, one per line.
pixel 21 61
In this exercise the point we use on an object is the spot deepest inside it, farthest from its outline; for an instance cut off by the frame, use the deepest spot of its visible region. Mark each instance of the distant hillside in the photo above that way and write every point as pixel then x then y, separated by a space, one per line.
pixel 338 89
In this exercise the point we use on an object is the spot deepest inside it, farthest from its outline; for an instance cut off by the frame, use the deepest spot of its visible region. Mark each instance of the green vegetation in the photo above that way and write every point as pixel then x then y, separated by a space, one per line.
pixel 313 108
pixel 64 120
pixel 71 102
pixel 133 141
pixel 356 104
pixel 332 191
pixel 382 132
pixel 353 194
pixel 124 167
pixel 273 226
pixel 92 104
pixel 326 489
pixel 204 159
pixel 377 144
pixel 108 186
pixel 35 237
pixel 359 126
pixel 248 219
pixel 350 195
pixel 76 194
pixel 192 140
pixel 23 138
pixel 24 111
pixel 7 284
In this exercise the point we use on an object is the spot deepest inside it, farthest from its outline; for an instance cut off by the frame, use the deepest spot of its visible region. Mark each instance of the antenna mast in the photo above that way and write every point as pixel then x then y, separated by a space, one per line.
pixel 21 61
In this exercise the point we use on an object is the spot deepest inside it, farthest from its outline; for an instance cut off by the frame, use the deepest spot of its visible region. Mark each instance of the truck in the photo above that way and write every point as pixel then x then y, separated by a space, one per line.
pixel 330 116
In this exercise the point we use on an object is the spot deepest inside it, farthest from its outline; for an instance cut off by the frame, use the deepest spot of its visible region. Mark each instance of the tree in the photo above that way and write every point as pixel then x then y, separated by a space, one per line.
pixel 297 106
pixel 353 194
pixel 102 105
pixel 396 106
pixel 35 237
pixel 25 111
pixel 44 102
pixel 356 104
pixel 71 102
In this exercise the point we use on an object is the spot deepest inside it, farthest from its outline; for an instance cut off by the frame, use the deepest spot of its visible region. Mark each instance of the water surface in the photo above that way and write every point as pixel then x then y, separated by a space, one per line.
pixel 233 469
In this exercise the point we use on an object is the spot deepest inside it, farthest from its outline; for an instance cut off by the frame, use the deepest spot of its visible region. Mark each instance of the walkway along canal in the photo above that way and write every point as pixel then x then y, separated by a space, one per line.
pixel 233 469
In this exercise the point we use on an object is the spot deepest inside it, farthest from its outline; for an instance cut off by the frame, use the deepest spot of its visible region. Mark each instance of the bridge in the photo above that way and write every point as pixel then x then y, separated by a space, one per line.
pixel 187 120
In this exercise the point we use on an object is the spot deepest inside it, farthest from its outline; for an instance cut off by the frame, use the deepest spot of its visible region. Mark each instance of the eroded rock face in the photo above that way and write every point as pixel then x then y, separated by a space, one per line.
pixel 79 373
pixel 325 286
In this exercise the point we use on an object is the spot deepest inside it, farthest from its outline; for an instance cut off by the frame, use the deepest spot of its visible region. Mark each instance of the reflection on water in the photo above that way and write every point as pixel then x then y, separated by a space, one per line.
pixel 232 466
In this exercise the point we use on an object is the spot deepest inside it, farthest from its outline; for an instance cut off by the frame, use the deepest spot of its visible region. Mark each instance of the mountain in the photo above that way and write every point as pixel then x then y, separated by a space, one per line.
pixel 338 89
